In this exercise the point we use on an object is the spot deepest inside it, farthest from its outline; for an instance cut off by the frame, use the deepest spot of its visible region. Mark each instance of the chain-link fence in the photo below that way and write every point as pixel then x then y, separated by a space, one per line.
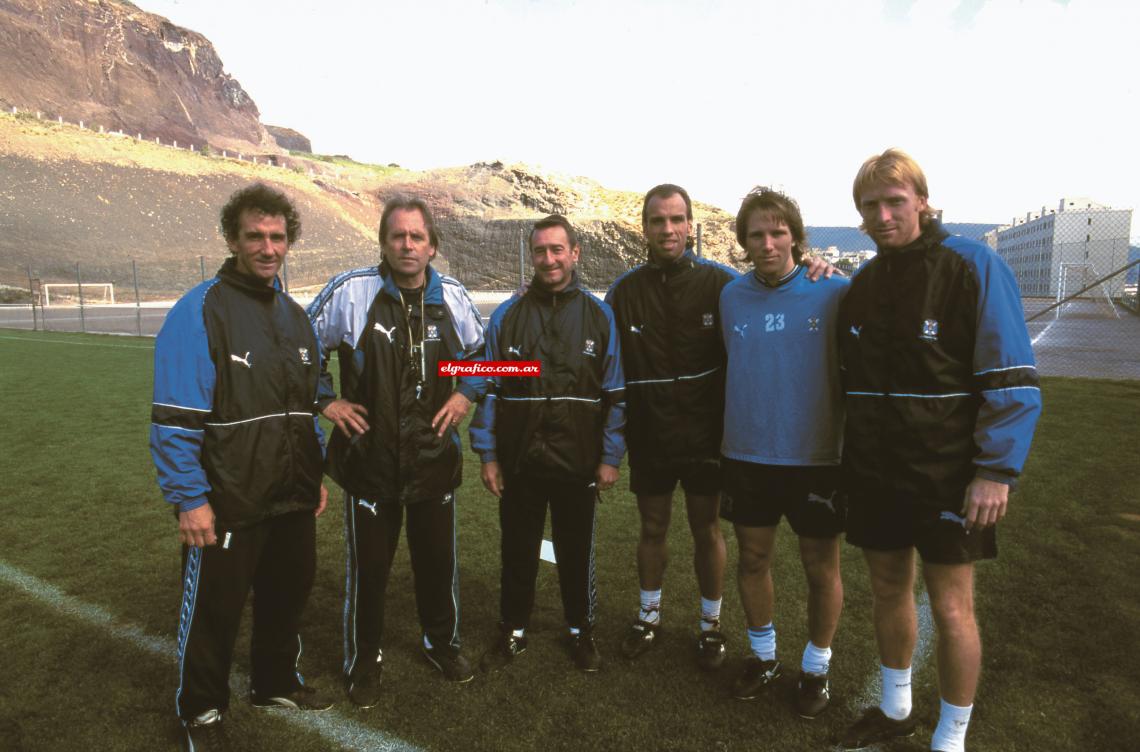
pixel 1083 323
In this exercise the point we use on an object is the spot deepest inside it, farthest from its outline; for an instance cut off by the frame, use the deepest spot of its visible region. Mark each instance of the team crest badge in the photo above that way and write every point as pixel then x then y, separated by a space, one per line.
pixel 930 330
pixel 590 347
pixel 432 332
pixel 706 319
pixel 304 352
pixel 813 324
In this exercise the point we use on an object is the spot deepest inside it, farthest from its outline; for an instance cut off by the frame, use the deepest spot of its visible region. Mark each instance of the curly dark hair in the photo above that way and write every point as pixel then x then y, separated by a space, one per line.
pixel 269 201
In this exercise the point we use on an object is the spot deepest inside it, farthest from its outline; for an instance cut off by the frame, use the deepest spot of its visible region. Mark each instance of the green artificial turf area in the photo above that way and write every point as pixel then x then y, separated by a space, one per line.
pixel 82 515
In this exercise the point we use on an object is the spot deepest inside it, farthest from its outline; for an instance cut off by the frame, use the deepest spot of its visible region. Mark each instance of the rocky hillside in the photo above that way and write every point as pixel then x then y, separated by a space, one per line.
pixel 102 200
pixel 487 209
pixel 72 196
pixel 289 139
pixel 110 64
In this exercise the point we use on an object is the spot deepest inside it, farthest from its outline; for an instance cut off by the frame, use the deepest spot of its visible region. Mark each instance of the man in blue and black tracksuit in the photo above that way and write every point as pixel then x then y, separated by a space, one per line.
pixel 238 453
pixel 942 401
pixel 396 448
pixel 552 439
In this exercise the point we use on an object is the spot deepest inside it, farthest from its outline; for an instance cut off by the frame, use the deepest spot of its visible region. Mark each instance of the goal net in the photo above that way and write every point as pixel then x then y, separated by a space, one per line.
pixel 68 293
pixel 1083 292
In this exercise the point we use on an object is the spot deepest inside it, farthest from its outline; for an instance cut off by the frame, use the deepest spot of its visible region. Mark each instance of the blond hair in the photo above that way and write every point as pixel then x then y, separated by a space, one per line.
pixel 893 167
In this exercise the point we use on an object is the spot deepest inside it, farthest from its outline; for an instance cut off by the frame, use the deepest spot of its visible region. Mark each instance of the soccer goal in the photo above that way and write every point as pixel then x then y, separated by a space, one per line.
pixel 68 293
pixel 1087 290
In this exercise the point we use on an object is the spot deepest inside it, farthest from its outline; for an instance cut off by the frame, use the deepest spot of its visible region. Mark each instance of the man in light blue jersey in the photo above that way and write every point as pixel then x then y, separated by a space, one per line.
pixel 781 452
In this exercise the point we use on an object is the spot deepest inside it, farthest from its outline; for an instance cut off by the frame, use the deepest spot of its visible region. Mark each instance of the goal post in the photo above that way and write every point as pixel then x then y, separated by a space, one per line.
pixel 68 293
pixel 1081 281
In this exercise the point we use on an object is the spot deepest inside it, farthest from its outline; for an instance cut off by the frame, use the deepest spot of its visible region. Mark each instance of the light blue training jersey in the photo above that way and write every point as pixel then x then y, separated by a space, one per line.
pixel 783 400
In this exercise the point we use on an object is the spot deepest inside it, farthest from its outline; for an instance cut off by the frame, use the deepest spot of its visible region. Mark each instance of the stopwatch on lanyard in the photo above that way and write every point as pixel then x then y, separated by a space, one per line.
pixel 413 348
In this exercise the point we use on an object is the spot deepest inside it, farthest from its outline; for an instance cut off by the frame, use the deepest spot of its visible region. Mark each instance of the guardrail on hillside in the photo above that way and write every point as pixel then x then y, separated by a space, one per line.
pixel 203 149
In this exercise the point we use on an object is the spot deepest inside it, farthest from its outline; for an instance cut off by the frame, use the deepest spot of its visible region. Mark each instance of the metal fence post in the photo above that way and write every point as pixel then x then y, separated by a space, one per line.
pixel 285 274
pixel 32 293
pixel 79 281
pixel 202 267
pixel 138 304
pixel 698 240
pixel 522 261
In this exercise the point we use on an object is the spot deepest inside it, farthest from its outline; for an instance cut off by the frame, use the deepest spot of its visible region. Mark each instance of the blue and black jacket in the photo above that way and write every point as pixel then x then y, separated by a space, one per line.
pixel 564 423
pixel 938 371
pixel 668 319
pixel 383 339
pixel 233 421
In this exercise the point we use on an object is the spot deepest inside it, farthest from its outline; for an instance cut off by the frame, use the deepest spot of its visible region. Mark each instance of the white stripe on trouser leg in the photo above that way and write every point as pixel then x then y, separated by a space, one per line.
pixel 351 583
pixel 592 575
pixel 454 572
pixel 190 577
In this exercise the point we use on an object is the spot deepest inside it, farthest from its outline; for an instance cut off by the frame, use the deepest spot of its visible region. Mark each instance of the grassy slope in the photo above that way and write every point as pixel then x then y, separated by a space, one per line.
pixel 101 200
pixel 81 511
pixel 71 195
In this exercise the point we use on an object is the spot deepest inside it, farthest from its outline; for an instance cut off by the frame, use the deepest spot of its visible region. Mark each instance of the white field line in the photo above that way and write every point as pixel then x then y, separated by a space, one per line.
pixel 75 342
pixel 872 690
pixel 332 726
pixel 1042 333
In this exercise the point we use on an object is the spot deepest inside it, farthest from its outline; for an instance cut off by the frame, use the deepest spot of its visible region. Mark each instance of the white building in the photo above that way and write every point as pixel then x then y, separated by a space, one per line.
pixel 833 255
pixel 1086 236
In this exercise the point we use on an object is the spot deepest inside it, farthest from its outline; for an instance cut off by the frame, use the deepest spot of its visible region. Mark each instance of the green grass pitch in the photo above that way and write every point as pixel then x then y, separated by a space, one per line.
pixel 1060 608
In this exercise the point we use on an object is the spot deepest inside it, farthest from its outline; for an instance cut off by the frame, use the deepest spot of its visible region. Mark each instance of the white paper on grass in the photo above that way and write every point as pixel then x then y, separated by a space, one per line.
pixel 547 553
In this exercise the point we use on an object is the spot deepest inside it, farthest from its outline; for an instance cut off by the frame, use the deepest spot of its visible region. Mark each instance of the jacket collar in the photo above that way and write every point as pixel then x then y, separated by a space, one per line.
pixel 544 294
pixel 685 261
pixel 229 273
pixel 433 286
pixel 931 236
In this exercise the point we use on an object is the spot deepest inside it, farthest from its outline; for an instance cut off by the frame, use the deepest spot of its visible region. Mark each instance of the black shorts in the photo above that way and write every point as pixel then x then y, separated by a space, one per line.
pixel 757 495
pixel 697 477
pixel 939 535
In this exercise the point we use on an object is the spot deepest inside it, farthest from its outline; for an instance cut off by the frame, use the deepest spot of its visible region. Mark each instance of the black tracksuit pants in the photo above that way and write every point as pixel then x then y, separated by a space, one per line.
pixel 277 558
pixel 372 533
pixel 522 518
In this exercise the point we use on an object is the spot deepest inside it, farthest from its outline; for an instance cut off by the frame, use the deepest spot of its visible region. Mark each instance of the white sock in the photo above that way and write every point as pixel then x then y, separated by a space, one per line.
pixel 816 660
pixel 763 642
pixel 518 632
pixel 574 631
pixel 950 735
pixel 896 702
pixel 710 614
pixel 650 612
pixel 427 642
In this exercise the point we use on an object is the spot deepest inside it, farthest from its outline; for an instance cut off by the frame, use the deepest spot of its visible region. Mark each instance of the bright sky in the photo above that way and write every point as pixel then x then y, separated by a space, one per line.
pixel 1007 104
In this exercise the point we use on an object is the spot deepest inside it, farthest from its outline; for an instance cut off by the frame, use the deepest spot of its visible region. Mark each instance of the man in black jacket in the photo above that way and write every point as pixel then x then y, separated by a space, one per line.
pixel 669 324
pixel 551 439
pixel 396 448
pixel 238 453
pixel 942 401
